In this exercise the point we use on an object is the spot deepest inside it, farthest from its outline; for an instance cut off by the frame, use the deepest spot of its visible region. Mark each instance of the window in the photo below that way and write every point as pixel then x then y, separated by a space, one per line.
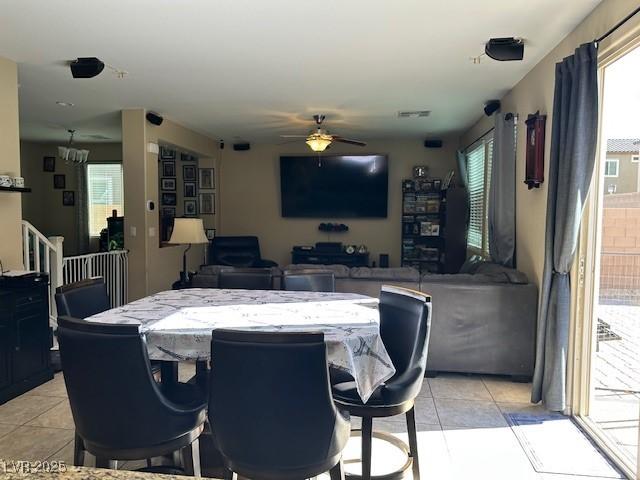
pixel 611 167
pixel 635 158
pixel 479 158
pixel 104 194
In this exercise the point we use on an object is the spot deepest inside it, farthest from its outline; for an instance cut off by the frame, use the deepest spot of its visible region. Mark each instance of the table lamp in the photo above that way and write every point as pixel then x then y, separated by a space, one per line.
pixel 187 231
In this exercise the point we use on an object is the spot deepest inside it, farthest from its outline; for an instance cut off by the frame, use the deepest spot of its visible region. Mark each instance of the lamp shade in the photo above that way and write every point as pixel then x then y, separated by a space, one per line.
pixel 188 230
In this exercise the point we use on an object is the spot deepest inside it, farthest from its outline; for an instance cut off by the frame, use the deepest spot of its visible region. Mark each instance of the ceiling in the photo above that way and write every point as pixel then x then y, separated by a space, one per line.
pixel 243 69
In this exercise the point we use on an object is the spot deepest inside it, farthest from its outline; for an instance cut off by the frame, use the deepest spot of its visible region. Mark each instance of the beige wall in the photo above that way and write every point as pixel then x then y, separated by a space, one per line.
pixel 10 202
pixel 57 219
pixel 152 268
pixel 535 92
pixel 250 197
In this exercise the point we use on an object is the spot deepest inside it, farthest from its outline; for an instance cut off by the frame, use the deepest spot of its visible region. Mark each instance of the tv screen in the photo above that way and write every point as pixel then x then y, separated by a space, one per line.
pixel 334 186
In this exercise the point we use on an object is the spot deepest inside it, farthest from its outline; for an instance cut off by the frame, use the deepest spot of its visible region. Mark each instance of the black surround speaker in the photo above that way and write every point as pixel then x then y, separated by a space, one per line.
pixel 384 260
pixel 86 67
pixel 433 144
pixel 154 118
pixel 491 107
pixel 505 49
pixel 241 147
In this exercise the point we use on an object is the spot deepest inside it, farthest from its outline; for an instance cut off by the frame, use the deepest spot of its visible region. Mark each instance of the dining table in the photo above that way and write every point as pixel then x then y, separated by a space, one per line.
pixel 177 325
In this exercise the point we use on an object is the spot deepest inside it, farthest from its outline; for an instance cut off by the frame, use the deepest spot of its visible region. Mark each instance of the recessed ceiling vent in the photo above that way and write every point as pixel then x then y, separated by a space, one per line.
pixel 413 113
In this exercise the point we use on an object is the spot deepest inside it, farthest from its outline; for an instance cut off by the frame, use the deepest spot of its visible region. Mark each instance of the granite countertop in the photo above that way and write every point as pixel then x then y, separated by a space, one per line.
pixel 14 470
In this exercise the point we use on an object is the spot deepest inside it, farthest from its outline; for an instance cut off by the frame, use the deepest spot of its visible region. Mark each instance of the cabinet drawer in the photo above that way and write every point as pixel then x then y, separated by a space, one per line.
pixel 28 296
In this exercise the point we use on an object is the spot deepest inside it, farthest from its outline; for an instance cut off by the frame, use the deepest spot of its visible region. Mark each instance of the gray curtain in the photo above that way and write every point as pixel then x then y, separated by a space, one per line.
pixel 461 159
pixel 502 193
pixel 573 145
pixel 82 213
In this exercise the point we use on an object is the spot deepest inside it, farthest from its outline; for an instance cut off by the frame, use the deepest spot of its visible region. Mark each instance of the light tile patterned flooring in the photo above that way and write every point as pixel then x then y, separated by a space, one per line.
pixel 462 432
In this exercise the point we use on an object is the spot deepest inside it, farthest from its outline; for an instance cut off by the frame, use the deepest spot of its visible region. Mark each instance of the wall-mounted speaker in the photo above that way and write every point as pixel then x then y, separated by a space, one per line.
pixel 154 118
pixel 433 143
pixel 241 147
pixel 86 67
pixel 505 49
pixel 491 107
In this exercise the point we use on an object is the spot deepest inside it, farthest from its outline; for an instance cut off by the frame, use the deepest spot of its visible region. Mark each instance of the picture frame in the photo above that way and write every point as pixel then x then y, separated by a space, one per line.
pixel 68 198
pixel 168 212
pixel 190 190
pixel 207 178
pixel 168 198
pixel 167 153
pixel 207 203
pixel 49 164
pixel 190 208
pixel 169 169
pixel 168 184
pixel 189 173
pixel 210 233
pixel 59 181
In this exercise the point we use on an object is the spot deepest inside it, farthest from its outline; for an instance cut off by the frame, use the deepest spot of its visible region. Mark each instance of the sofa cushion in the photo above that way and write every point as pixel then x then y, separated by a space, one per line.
pixel 400 274
pixel 339 271
pixel 496 270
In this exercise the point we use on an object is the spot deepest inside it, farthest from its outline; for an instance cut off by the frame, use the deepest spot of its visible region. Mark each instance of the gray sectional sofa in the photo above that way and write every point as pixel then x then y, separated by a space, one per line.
pixel 483 320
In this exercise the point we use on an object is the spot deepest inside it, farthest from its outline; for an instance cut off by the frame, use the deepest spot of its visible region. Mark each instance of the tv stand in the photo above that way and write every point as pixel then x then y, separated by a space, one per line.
pixel 315 257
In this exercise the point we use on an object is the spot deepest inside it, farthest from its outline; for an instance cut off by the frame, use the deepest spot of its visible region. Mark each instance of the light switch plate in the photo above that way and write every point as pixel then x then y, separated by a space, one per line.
pixel 152 231
pixel 132 231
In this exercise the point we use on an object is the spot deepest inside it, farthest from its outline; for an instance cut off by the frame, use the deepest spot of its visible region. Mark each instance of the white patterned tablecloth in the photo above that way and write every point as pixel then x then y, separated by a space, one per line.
pixel 177 325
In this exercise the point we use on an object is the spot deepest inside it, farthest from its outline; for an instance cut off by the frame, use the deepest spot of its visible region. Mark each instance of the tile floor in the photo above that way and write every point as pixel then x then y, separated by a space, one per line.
pixel 462 430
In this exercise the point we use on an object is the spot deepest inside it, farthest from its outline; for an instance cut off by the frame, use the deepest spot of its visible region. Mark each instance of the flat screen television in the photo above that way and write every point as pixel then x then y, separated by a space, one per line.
pixel 334 186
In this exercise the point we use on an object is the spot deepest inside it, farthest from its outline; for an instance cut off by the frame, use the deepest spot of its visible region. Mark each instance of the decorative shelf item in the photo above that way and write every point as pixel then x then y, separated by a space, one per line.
pixel 15 189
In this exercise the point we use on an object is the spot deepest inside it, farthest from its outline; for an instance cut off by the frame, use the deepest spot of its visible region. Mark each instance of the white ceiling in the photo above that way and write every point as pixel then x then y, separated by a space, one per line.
pixel 254 69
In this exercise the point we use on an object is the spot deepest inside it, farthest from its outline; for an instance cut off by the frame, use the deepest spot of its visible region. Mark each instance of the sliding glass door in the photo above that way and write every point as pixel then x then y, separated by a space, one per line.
pixel 610 356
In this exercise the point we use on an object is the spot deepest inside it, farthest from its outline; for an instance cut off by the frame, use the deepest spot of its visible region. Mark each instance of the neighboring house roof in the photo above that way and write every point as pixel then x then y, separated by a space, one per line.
pixel 623 145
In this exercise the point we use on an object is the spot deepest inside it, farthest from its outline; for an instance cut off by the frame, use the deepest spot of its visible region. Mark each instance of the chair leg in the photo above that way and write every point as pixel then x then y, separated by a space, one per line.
pixel 191 459
pixel 78 451
pixel 367 425
pixel 337 472
pixel 105 463
pixel 413 442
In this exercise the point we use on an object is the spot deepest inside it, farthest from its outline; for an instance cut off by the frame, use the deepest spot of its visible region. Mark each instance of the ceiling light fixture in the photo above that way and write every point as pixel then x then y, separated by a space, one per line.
pixel 70 154
pixel 319 141
pixel 65 104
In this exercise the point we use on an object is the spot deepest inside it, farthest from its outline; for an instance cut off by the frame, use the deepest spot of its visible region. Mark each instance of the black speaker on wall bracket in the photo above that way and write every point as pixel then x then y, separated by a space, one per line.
pixel 154 118
pixel 491 107
pixel 433 143
pixel 505 49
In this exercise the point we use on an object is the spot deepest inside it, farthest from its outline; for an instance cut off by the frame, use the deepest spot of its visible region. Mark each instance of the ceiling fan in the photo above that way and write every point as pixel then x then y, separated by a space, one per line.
pixel 320 139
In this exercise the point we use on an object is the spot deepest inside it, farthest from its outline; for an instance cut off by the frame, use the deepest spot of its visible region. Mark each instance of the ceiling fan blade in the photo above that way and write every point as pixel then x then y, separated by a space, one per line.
pixel 349 141
pixel 287 142
pixel 294 136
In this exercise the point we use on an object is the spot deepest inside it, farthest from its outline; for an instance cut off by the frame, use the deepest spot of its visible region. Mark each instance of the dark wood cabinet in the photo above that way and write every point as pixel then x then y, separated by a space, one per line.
pixel 25 338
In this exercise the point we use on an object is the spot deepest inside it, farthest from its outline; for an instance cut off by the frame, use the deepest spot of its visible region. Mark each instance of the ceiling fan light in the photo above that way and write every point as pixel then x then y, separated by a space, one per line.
pixel 318 142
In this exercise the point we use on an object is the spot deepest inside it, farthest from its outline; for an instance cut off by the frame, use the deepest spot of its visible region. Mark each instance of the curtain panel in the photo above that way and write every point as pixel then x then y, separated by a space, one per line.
pixel 502 192
pixel 573 147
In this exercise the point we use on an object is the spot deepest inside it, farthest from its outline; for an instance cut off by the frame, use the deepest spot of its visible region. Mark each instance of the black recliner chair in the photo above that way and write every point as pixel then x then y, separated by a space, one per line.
pixel 83 299
pixel 405 324
pixel 241 251
pixel 267 428
pixel 309 281
pixel 119 411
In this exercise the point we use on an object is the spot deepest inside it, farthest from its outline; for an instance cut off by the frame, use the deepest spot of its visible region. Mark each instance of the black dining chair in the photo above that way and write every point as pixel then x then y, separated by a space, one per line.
pixel 119 411
pixel 83 299
pixel 405 324
pixel 246 278
pixel 268 428
pixel 309 281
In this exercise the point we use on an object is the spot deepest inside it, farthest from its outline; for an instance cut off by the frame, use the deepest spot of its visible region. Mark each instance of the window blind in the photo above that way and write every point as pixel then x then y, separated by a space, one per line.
pixel 476 181
pixel 105 194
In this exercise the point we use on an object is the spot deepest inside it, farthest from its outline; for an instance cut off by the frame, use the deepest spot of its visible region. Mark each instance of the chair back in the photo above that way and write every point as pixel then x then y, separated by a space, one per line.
pixel 246 278
pixel 405 326
pixel 115 402
pixel 309 281
pixel 270 403
pixel 239 251
pixel 83 299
